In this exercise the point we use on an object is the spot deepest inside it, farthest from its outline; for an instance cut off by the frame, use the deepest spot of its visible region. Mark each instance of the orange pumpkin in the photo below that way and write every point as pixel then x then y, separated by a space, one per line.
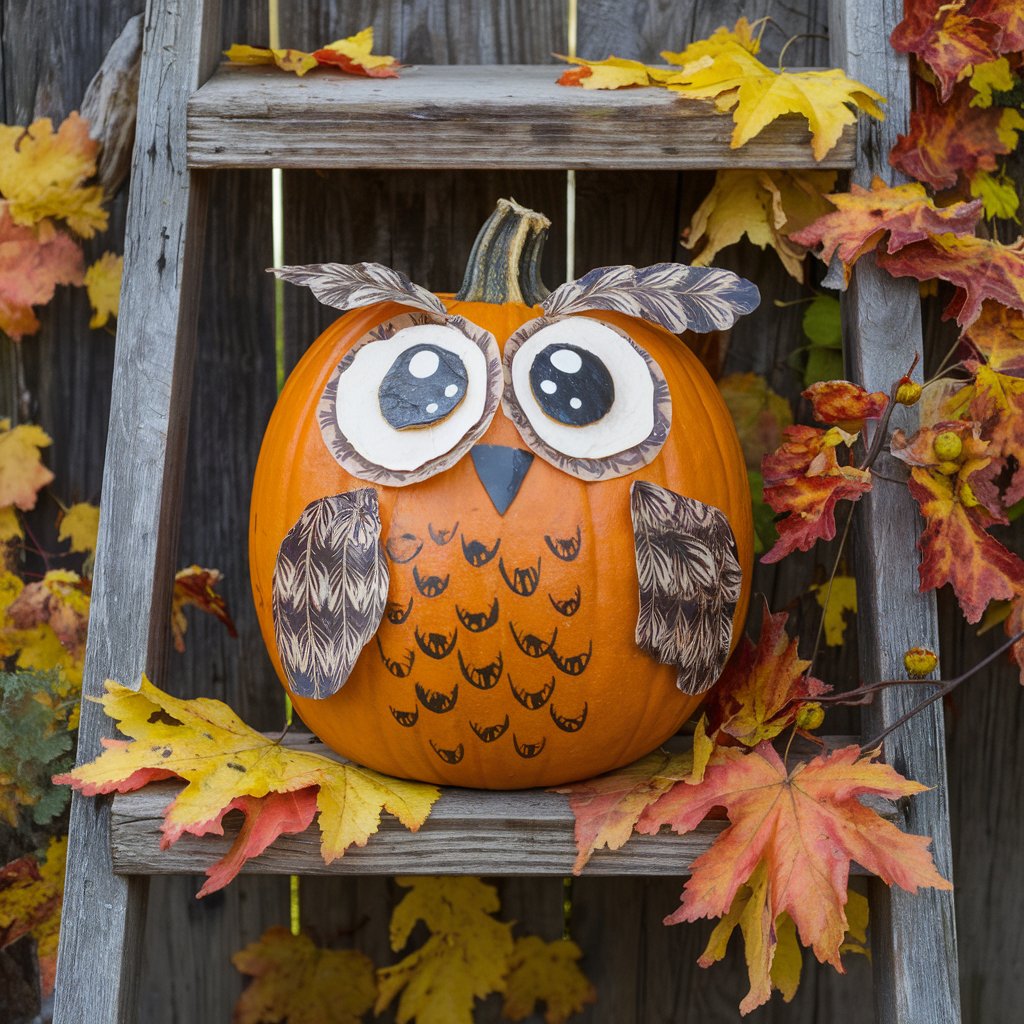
pixel 507 652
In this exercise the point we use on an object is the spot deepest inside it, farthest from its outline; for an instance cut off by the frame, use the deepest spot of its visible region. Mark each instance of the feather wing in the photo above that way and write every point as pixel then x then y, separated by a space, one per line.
pixel 346 286
pixel 676 296
pixel 329 590
pixel 689 578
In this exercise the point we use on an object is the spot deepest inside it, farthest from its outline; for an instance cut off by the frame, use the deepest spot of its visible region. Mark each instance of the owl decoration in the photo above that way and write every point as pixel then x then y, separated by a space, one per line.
pixel 503 539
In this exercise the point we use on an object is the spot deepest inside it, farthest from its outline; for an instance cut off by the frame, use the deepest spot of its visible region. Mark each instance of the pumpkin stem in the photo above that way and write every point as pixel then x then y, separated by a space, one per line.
pixel 504 265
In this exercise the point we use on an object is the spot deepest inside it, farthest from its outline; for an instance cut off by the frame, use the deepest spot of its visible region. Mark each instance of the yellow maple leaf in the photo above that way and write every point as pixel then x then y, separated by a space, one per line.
pixel 611 73
pixel 80 525
pixel 549 973
pixel 294 980
pixel 22 473
pixel 736 80
pixel 103 286
pixel 296 61
pixel 10 526
pixel 42 174
pixel 764 207
pixel 355 55
pixel 835 605
pixel 465 958
pixel 723 39
pixel 994 75
pixel 998 194
pixel 226 764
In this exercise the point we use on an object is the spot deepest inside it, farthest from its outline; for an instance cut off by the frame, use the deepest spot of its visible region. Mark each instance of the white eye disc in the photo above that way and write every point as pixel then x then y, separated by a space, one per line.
pixel 358 412
pixel 629 421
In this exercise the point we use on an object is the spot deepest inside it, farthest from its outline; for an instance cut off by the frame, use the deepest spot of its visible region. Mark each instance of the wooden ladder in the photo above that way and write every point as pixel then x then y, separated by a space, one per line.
pixel 193 121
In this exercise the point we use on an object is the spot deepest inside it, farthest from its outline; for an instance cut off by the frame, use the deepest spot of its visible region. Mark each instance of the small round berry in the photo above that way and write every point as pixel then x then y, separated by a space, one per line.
pixel 908 392
pixel 810 716
pixel 920 662
pixel 948 446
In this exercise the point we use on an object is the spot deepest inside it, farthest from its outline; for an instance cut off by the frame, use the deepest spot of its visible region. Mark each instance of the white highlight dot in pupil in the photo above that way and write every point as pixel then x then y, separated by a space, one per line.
pixel 432 407
pixel 575 403
pixel 566 360
pixel 549 387
pixel 451 391
pixel 424 364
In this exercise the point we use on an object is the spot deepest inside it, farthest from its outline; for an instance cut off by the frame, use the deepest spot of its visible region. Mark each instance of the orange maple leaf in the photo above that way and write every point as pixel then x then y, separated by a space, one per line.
pixel 803 826
pixel 354 55
pixel 804 478
pixel 33 261
pixel 763 687
pixel 980 269
pixel 998 335
pixel 946 38
pixel 955 546
pixel 864 216
pixel 843 404
pixel 194 586
pixel 948 138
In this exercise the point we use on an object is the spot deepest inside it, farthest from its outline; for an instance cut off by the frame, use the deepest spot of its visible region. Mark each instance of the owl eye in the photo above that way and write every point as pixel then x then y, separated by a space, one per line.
pixel 411 398
pixel 585 397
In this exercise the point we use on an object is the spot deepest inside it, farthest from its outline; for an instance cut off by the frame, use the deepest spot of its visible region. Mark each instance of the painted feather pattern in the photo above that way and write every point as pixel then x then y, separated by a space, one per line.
pixel 673 295
pixel 347 286
pixel 689 578
pixel 329 591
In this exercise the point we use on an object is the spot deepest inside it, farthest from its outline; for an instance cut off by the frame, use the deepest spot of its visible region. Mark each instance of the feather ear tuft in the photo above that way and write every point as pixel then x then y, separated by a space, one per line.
pixel 672 295
pixel 346 286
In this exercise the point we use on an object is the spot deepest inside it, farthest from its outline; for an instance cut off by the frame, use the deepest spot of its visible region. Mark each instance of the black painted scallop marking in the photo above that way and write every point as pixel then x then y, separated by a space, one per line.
pixel 399 669
pixel 477 622
pixel 484 678
pixel 528 750
pixel 490 733
pixel 405 718
pixel 453 756
pixel 403 547
pixel 436 645
pixel 536 699
pixel 477 553
pixel 532 646
pixel 574 664
pixel 424 384
pixel 565 548
pixel 429 586
pixel 567 723
pixel 436 700
pixel 442 537
pixel 570 606
pixel 524 581
pixel 396 614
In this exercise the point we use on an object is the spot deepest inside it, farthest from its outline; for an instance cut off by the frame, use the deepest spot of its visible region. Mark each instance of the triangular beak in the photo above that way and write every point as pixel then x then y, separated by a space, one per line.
pixel 502 471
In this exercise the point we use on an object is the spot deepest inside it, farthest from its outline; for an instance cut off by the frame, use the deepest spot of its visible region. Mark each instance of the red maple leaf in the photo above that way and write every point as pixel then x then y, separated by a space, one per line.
pixel 1009 16
pixel 804 478
pixel 842 404
pixel 998 335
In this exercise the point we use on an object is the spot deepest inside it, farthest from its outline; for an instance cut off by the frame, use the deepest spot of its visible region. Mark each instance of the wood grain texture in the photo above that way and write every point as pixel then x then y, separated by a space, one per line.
pixel 103 914
pixel 914 936
pixel 459 117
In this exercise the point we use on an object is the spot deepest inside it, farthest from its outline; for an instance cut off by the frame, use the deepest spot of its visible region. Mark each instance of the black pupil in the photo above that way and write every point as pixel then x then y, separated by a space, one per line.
pixel 425 383
pixel 571 385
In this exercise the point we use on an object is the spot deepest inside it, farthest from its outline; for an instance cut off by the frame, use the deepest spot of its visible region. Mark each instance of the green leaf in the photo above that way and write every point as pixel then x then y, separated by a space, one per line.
pixel 765 534
pixel 824 330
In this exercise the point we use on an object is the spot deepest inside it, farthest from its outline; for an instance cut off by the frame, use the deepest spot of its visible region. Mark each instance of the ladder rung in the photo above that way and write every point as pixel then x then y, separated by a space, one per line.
pixel 454 117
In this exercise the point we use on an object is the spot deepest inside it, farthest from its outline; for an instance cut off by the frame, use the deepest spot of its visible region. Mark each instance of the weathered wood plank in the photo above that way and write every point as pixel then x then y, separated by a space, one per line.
pixel 462 117
pixel 914 936
pixel 103 914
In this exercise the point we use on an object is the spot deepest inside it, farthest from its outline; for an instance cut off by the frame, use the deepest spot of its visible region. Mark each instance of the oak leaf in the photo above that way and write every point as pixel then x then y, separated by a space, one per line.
pixel 465 958
pixel 805 479
pixel 355 55
pixel 955 547
pixel 194 586
pixel 947 139
pixel 607 808
pixel 22 473
pixel 979 268
pixel 766 207
pixel 548 973
pixel 31 894
pixel 863 217
pixel 222 760
pixel 998 335
pixel 33 262
pixel 611 73
pixel 948 38
pixel 287 60
pixel 296 981
pixel 736 80
pixel 836 599
pixel 843 404
pixel 804 826
pixel 43 174
pixel 763 687
pixel 103 286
